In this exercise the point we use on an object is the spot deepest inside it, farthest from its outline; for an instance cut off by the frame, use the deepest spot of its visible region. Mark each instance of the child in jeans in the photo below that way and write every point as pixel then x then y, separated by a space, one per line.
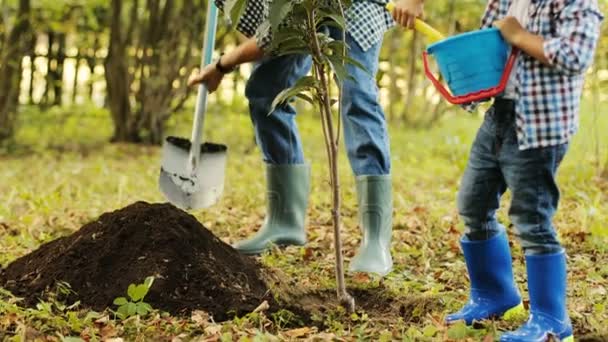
pixel 519 146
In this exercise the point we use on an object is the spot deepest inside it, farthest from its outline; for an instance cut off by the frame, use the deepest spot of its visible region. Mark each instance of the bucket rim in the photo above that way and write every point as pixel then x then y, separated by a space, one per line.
pixel 491 30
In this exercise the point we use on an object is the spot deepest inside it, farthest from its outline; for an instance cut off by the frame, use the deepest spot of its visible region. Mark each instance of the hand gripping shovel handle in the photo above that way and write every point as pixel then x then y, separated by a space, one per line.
pixel 201 99
pixel 422 27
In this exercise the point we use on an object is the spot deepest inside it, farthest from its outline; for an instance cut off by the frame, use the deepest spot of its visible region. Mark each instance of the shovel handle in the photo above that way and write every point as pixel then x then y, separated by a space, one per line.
pixel 201 99
pixel 422 27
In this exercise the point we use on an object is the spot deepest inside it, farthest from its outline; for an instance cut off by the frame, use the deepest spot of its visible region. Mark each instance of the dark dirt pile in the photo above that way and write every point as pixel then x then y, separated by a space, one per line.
pixel 193 269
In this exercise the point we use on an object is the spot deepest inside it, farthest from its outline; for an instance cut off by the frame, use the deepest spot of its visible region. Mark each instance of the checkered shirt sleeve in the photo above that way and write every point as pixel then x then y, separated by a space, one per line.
pixel 366 21
pixel 571 50
pixel 548 97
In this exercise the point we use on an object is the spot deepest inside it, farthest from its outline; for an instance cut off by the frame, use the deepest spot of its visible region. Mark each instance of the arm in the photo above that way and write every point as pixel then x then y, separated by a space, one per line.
pixel 571 49
pixel 246 52
pixel 517 36
pixel 213 74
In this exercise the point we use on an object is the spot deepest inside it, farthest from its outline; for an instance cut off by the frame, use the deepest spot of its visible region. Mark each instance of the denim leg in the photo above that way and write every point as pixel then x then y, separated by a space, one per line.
pixel 482 184
pixel 530 175
pixel 365 130
pixel 276 134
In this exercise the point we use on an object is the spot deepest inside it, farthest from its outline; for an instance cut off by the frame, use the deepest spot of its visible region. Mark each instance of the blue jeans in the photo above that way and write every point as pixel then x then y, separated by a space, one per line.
pixel 365 130
pixel 495 165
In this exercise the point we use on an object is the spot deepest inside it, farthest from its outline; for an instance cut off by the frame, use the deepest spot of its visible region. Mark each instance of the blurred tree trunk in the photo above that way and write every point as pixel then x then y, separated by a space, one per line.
pixel 58 69
pixel 412 83
pixel 141 101
pixel 30 93
pixel 117 78
pixel 91 59
pixel 49 74
pixel 440 107
pixel 12 51
pixel 75 81
pixel 394 94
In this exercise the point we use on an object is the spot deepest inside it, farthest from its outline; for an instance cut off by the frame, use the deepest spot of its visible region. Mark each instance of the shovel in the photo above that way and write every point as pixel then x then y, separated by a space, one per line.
pixel 431 34
pixel 191 173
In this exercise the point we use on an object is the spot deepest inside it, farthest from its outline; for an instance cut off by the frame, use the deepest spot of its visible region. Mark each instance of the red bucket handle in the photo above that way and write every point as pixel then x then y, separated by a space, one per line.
pixel 475 96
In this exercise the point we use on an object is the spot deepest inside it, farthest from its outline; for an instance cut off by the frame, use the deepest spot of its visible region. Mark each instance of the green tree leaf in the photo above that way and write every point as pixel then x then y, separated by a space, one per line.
pixel 279 9
pixel 235 9
pixel 306 98
pixel 303 84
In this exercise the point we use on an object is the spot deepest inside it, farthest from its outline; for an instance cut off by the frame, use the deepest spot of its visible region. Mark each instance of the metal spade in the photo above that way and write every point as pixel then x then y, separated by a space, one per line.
pixel 191 173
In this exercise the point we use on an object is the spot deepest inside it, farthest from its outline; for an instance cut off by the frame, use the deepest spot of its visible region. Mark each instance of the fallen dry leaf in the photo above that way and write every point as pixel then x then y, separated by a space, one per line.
pixel 299 332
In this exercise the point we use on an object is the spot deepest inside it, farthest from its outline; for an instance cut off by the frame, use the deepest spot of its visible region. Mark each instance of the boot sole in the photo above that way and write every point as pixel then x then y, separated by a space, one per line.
pixel 511 314
pixel 280 244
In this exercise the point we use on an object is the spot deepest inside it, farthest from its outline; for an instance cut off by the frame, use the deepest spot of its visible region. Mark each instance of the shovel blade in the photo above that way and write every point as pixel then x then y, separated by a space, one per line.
pixel 201 189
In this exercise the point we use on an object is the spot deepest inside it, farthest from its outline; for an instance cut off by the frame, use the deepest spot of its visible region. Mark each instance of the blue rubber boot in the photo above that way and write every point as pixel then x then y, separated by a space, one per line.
pixel 493 290
pixel 374 197
pixel 288 187
pixel 547 287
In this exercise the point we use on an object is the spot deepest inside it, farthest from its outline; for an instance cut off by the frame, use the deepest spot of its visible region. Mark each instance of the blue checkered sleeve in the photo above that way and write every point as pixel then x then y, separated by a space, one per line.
pixel 571 50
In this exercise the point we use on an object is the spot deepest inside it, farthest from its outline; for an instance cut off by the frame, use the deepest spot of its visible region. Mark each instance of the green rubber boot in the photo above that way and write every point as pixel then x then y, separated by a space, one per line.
pixel 374 195
pixel 288 187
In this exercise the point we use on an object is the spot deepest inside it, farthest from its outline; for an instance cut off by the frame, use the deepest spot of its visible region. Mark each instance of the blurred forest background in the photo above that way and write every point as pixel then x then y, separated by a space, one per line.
pixel 76 52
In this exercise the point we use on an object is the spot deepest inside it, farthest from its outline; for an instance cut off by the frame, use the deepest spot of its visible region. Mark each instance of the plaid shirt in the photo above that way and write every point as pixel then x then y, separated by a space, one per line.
pixel 548 97
pixel 366 21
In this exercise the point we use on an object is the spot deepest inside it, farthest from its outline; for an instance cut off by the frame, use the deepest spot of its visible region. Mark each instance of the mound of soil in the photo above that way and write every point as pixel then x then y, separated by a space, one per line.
pixel 193 269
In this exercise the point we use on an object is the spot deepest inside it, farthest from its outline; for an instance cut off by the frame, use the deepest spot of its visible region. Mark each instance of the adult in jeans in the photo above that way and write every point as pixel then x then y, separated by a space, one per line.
pixel 365 129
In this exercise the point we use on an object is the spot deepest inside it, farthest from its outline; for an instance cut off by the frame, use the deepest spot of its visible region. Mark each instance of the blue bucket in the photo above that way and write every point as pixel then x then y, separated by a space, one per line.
pixel 471 62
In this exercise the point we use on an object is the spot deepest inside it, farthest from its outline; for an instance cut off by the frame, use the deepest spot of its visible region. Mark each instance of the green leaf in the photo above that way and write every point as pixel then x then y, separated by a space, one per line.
pixel 303 84
pixel 279 9
pixel 120 301
pixel 457 331
pixel 235 8
pixel 337 19
pixel 306 98
pixel 142 308
pixel 139 292
pixel 356 63
pixel 122 312
pixel 338 68
pixel 131 309
pixel 430 331
pixel 131 291
pixel 148 282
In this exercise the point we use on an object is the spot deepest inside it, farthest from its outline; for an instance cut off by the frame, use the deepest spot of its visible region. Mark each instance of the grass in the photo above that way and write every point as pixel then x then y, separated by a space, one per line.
pixel 62 174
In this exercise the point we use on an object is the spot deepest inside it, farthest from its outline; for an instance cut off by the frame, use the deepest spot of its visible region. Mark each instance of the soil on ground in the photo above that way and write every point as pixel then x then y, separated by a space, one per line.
pixel 193 269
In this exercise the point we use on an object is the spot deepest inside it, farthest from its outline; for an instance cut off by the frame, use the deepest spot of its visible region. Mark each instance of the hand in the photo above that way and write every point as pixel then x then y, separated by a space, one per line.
pixel 210 76
pixel 510 29
pixel 406 12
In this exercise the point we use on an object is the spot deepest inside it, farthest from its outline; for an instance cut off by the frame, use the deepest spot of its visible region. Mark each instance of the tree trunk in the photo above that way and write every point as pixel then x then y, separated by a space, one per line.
pixel 395 44
pixel 58 71
pixel 75 81
pixel 10 70
pixel 32 69
pixel 116 74
pixel 412 83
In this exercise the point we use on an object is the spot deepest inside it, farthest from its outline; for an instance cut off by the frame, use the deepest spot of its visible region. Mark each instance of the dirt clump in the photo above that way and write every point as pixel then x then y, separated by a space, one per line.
pixel 193 269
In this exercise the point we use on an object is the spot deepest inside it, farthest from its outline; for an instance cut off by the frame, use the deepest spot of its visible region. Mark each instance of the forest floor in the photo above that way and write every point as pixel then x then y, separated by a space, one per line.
pixel 63 174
